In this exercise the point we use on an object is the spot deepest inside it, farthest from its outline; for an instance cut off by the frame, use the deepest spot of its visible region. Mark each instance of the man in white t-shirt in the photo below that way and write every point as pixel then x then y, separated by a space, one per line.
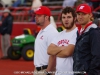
pixel 63 44
pixel 42 61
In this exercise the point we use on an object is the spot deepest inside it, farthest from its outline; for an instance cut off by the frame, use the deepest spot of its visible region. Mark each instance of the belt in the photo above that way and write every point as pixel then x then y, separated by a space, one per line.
pixel 41 68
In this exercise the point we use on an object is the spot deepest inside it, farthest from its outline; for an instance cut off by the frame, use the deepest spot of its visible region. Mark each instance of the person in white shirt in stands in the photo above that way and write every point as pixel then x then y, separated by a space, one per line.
pixel 36 4
pixel 42 61
pixel 52 21
pixel 69 3
pixel 63 44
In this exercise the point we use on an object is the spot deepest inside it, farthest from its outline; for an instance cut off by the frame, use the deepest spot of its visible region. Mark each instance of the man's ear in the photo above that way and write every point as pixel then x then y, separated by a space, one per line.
pixel 91 15
pixel 46 17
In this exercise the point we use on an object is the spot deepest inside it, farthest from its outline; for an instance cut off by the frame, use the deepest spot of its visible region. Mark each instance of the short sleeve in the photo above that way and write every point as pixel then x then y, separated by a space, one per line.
pixel 51 37
pixel 73 39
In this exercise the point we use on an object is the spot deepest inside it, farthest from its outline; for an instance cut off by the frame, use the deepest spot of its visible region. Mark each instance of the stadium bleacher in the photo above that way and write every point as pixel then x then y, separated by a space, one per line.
pixel 22 13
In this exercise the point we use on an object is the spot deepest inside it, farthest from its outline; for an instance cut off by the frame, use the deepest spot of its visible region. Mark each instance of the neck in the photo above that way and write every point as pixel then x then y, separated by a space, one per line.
pixel 68 30
pixel 84 25
pixel 45 25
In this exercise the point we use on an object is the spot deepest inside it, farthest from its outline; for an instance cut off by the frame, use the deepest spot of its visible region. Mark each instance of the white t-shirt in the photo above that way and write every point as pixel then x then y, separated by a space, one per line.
pixel 42 42
pixel 64 65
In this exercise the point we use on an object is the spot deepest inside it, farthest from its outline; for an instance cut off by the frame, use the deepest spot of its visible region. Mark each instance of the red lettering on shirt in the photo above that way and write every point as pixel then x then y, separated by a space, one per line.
pixel 62 42
pixel 41 37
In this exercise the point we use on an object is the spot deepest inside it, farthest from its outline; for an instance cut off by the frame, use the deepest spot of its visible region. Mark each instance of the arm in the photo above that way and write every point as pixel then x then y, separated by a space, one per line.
pixel 63 51
pixel 51 63
pixel 67 51
pixel 53 49
pixel 10 23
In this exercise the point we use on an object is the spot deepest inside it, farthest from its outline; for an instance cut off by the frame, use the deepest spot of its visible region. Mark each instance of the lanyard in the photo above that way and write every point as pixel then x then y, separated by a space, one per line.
pixel 79 28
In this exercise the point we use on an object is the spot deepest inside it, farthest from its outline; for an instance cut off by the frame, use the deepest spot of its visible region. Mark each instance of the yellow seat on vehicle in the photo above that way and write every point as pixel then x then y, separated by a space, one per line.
pixel 27 31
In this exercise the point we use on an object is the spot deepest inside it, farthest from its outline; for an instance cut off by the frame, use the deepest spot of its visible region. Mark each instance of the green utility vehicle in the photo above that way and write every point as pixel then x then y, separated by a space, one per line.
pixel 22 46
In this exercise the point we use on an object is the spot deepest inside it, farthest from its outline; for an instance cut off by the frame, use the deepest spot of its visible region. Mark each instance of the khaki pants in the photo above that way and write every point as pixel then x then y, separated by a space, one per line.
pixel 5 43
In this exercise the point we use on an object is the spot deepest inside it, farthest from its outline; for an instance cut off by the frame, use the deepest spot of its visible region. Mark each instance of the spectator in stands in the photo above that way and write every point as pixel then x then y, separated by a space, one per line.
pixel 68 3
pixel 36 4
pixel 7 2
pixel 89 2
pixel 45 1
pixel 6 30
pixel 78 2
pixel 52 21
pixel 16 3
pixel 95 3
pixel 22 2
pixel 2 4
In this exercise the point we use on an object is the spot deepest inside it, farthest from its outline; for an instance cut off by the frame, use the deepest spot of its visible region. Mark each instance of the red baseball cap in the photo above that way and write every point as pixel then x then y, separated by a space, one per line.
pixel 85 8
pixel 43 10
